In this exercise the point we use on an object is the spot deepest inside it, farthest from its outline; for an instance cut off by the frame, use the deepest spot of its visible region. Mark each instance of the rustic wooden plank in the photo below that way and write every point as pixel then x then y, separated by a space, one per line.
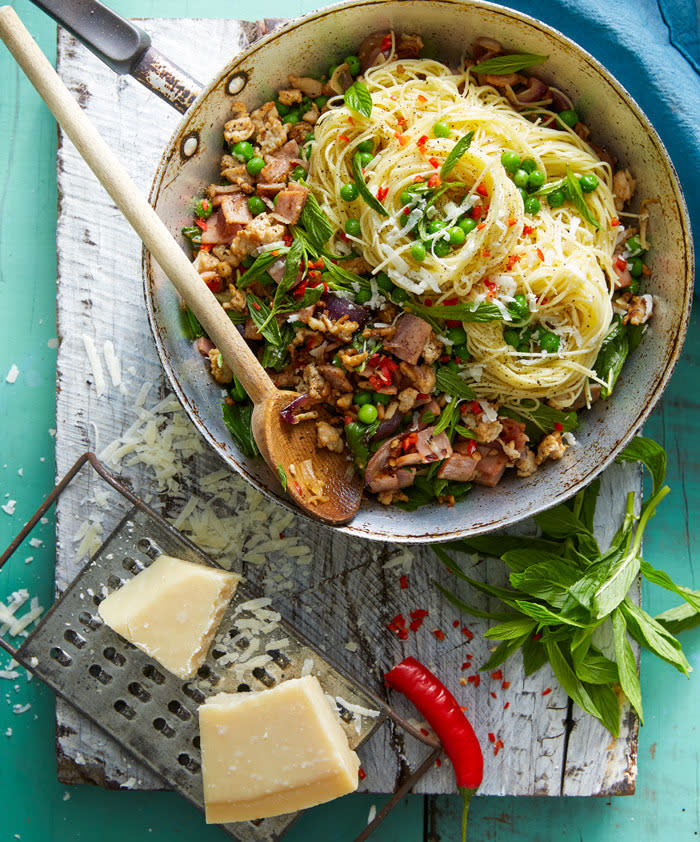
pixel 346 597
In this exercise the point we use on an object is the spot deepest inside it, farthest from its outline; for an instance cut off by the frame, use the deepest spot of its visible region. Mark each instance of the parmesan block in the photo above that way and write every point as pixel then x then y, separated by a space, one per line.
pixel 171 611
pixel 273 752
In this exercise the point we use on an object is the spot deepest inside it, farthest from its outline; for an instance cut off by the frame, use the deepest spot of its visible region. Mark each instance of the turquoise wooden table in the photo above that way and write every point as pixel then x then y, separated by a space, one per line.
pixel 36 807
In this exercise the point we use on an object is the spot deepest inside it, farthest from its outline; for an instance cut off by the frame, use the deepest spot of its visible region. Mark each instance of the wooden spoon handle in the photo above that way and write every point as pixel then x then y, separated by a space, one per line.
pixel 143 219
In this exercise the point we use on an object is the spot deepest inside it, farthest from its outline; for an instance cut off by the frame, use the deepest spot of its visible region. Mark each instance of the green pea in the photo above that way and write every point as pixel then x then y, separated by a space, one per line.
pixel 637 267
pixel 568 117
pixel 634 286
pixel 363 296
pixel 435 226
pixel 441 248
pixel 523 194
pixel 521 177
pixel 367 413
pixel 536 179
pixel 529 165
pixel 256 205
pixel 298 173
pixel 457 236
pixel 407 198
pixel 332 69
pixel 556 198
pixel 291 118
pixel 398 295
pixel 349 192
pixel 441 129
pixel 457 335
pixel 255 165
pixel 362 398
pixel 467 224
pixel 309 137
pixel 321 102
pixel 366 146
pixel 549 342
pixel 352 227
pixel 282 109
pixel 461 352
pixel 242 150
pixel 588 182
pixel 634 245
pixel 203 209
pixel 384 282
pixel 381 398
pixel 532 205
pixel 353 63
pixel 511 337
pixel 418 252
pixel 519 307
pixel 510 161
pixel 364 158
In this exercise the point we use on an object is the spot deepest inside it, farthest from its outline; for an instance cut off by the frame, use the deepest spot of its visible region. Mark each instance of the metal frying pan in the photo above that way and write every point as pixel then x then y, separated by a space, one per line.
pixel 448 27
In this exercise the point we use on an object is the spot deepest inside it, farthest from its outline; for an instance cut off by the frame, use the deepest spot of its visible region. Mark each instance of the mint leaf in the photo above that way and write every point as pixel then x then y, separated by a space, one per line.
pixel 456 153
pixel 452 384
pixel 363 189
pixel 504 65
pixel 359 99
pixel 650 454
pixel 626 664
pixel 578 199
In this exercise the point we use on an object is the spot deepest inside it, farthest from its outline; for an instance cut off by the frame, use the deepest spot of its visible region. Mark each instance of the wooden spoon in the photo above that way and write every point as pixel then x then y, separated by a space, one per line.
pixel 319 481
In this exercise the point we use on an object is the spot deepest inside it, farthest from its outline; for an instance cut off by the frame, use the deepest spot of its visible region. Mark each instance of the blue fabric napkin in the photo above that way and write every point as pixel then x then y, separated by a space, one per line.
pixel 653 49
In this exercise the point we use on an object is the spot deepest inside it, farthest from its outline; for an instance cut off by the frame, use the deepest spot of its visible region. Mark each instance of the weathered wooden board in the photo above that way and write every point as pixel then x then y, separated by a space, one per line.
pixel 344 599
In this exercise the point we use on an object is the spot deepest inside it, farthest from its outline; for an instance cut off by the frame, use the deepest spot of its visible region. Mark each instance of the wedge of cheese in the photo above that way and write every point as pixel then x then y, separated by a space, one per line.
pixel 171 610
pixel 273 752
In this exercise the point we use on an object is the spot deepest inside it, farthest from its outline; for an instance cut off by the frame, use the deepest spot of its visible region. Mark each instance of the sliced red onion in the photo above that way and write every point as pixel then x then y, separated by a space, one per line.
pixel 387 427
pixel 287 412
pixel 536 90
pixel 338 307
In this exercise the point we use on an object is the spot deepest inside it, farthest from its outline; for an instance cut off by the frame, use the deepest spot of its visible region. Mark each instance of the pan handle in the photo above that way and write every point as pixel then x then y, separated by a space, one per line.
pixel 124 47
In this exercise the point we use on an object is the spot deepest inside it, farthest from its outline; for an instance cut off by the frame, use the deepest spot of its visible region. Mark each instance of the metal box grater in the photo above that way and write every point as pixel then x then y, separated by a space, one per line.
pixel 149 711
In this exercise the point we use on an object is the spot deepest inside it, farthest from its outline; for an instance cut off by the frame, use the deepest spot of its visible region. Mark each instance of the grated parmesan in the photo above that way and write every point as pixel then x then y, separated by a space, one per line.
pixel 95 364
pixel 12 374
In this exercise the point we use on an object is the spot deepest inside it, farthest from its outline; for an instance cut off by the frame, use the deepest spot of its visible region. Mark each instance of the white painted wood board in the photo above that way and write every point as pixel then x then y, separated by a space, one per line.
pixel 346 595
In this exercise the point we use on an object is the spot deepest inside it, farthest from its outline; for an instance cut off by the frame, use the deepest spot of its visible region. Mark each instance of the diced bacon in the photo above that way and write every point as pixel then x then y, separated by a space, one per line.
pixel 458 467
pixel 271 189
pixel 280 163
pixel 235 209
pixel 623 279
pixel 336 377
pixel 514 432
pixel 290 203
pixel 204 345
pixel 432 448
pixel 219 231
pixel 411 335
pixel 491 465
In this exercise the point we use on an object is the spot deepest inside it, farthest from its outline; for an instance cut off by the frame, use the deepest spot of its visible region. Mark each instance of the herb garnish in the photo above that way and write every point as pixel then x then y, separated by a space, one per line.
pixel 359 99
pixel 576 194
pixel 451 383
pixel 363 189
pixel 564 588
pixel 282 474
pixel 237 419
pixel 456 153
pixel 503 65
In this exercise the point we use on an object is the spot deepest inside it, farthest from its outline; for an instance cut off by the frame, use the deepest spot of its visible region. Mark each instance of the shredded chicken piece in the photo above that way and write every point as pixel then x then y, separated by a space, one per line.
pixel 300 130
pixel 219 370
pixel 270 131
pixel 422 376
pixel 240 127
pixel 432 349
pixel 345 401
pixel 488 431
pixel 318 389
pixel 237 174
pixel 312 115
pixel 344 329
pixel 259 232
pixel 639 308
pixel 551 447
pixel 351 358
pixel 205 262
pixel 237 301
pixel 407 397
pixel 329 437
pixel 527 464
pixel 386 498
pixel 311 87
pixel 290 96
pixel 623 188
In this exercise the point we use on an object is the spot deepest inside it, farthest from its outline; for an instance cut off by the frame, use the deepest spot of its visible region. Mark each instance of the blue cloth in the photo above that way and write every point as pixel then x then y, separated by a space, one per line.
pixel 653 50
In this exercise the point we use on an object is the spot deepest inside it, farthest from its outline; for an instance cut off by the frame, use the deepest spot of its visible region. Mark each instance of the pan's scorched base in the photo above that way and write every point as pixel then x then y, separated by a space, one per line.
pixel 273 752
pixel 171 611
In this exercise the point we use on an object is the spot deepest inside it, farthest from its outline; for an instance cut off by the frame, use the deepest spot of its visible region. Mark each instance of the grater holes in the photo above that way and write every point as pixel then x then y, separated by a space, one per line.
pixel 131 565
pixel 162 727
pixel 264 677
pixel 279 658
pixel 114 582
pixel 114 657
pixel 243 688
pixel 194 694
pixel 73 637
pixel 93 623
pixel 97 599
pixel 156 676
pixel 189 764
pixel 179 710
pixel 207 674
pixel 148 548
pixel 256 822
pixel 196 742
pixel 139 691
pixel 344 713
pixel 101 675
pixel 124 709
pixel 218 653
pixel 63 658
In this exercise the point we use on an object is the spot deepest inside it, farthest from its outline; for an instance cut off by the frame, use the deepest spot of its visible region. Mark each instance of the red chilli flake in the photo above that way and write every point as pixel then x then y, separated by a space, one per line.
pixel 471 447
pixel 465 630
pixel 361 774
pixel 481 190
pixel 621 264
pixel 497 675
pixel 493 695
pixel 540 254
pixel 558 427
pixel 466 665
pixel 434 181
pixel 256 305
pixel 424 732
pixel 497 747
pixel 382 193
pixel 403 582
pixel 433 161
pixel 344 138
pixel 402 139
pixel 485 252
pixel 439 633
pixel 492 737
pixel 506 706
pixel 386 43
pixel 474 679
pixel 455 623
pixel 422 98
pixel 614 222
pixel 505 685
pixel 547 691
pixel 422 140
pixel 475 212
pixel 438 762
pixel 512 221
pixel 527 230
pixel 479 227
pixel 200 223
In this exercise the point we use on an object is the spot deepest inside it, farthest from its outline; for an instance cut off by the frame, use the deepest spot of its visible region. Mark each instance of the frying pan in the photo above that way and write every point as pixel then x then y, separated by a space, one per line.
pixel 448 27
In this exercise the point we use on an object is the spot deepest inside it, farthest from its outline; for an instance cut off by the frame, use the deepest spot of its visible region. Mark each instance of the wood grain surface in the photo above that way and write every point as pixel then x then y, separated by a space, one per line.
pixel 345 598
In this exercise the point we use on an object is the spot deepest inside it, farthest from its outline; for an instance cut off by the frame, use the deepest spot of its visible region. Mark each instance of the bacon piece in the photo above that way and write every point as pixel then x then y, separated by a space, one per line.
pixel 491 465
pixel 408 341
pixel 459 467
pixel 280 163
pixel 235 209
pixel 432 448
pixel 219 231
pixel 311 87
pixel 514 433
pixel 290 203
